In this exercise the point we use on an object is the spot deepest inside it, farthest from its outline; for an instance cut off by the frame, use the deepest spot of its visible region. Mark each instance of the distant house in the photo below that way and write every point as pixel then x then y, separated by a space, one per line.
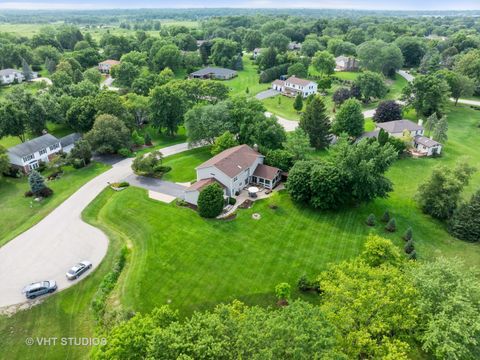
pixel 397 128
pixel 293 85
pixel 68 142
pixel 213 73
pixel 294 46
pixel 106 66
pixel 28 155
pixel 346 63
pixel 421 144
pixel 233 169
pixel 256 52
pixel 9 76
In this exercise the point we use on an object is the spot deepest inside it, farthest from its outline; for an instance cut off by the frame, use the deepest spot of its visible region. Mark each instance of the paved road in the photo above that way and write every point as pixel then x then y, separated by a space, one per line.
pixel 48 249
pixel 468 102
pixel 406 75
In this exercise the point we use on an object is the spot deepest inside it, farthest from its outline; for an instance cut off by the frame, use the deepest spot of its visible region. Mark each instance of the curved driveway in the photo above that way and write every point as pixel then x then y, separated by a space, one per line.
pixel 48 249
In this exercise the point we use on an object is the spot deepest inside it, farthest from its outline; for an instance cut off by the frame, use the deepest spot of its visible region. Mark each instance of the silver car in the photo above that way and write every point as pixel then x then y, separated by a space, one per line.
pixel 78 270
pixel 39 288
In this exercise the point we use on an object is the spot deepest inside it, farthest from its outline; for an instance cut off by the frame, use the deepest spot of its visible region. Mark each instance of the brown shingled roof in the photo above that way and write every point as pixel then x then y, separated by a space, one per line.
pixel 266 172
pixel 298 81
pixel 111 62
pixel 233 161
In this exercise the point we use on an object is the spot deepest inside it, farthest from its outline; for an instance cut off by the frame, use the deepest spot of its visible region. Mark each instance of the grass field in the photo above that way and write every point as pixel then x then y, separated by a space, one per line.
pixel 161 140
pixel 18 213
pixel 183 164
pixel 282 106
pixel 247 78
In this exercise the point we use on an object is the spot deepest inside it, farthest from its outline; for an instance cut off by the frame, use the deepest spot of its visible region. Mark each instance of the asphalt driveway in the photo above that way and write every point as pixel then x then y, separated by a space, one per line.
pixel 157 185
pixel 266 94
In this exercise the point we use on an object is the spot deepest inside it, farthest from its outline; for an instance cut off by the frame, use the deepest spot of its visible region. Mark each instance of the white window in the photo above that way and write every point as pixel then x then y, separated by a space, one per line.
pixel 43 151
pixel 28 157
pixel 54 146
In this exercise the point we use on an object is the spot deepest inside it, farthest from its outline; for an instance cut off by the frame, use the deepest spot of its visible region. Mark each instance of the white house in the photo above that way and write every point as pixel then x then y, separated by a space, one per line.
pixel 346 63
pixel 28 155
pixel 293 85
pixel 233 169
pixel 106 66
pixel 294 46
pixel 256 52
pixel 8 76
pixel 397 128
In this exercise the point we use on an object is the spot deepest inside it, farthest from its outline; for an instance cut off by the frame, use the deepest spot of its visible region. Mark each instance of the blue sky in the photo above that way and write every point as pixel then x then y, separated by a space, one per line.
pixel 337 4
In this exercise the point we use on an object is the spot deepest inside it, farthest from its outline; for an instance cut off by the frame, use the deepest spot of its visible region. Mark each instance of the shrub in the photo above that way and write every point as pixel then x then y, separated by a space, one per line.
pixel 408 234
pixel 465 223
pixel 45 192
pixel 371 220
pixel 282 292
pixel 412 255
pixel 409 246
pixel 391 225
pixel 82 151
pixel 210 201
pixel 147 138
pixel 124 184
pixel 77 163
pixel 388 110
pixel 137 139
pixel 304 284
pixel 28 193
pixel 232 201
pixel 386 216
pixel 125 152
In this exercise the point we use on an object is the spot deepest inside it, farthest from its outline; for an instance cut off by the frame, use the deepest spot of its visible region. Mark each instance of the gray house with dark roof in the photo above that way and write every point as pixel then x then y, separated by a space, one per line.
pixel 213 73
pixel 28 155
pixel 9 76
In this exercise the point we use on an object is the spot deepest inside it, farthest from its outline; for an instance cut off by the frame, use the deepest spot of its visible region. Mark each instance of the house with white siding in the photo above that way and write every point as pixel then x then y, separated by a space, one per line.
pixel 233 169
pixel 9 76
pixel 293 85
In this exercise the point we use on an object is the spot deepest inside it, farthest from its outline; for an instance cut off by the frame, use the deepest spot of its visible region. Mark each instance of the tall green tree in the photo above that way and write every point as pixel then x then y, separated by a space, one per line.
pixel 349 119
pixel 298 103
pixel 438 196
pixel 371 85
pixel 465 222
pixel 223 142
pixel 460 85
pixel 108 135
pixel 167 107
pixel 36 182
pixel 429 94
pixel 298 144
pixel 440 130
pixel 4 161
pixel 316 123
pixel 324 62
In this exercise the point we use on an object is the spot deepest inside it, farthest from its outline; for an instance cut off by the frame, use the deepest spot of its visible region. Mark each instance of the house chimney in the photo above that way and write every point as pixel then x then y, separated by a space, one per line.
pixel 255 147
pixel 420 122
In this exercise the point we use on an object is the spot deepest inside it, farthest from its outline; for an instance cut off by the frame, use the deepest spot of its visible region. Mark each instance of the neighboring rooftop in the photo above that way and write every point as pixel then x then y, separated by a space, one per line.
pixel 297 81
pixel 425 141
pixel 266 172
pixel 279 82
pixel 70 139
pixel 32 146
pixel 369 135
pixel 110 62
pixel 213 70
pixel 399 126
pixel 7 72
pixel 233 161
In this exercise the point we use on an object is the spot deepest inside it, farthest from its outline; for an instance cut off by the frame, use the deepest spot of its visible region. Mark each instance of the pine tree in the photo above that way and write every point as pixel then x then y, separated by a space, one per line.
pixel 408 234
pixel 316 123
pixel 147 138
pixel 36 182
pixel 386 216
pixel 26 71
pixel 298 103
pixel 382 137
pixel 409 247
pixel 391 225
pixel 412 255
pixel 440 130
pixel 431 122
pixel 371 220
pixel 465 223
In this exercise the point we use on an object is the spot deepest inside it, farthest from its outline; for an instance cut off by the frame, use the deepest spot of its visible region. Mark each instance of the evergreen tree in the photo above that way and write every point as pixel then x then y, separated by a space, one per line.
pixel 36 182
pixel 298 103
pixel 465 223
pixel 440 130
pixel 408 234
pixel 412 255
pixel 316 123
pixel 371 220
pixel 431 122
pixel 409 247
pixel 50 65
pixel 391 225
pixel 383 137
pixel 26 71
pixel 210 201
pixel 148 138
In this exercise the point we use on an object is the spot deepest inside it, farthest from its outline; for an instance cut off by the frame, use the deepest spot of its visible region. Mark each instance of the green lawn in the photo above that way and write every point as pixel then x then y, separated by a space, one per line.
pixel 183 164
pixel 282 106
pixel 162 140
pixel 247 78
pixel 18 213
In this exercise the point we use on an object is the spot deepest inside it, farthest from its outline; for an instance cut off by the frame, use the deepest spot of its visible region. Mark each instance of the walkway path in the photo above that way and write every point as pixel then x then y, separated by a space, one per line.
pixel 48 249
